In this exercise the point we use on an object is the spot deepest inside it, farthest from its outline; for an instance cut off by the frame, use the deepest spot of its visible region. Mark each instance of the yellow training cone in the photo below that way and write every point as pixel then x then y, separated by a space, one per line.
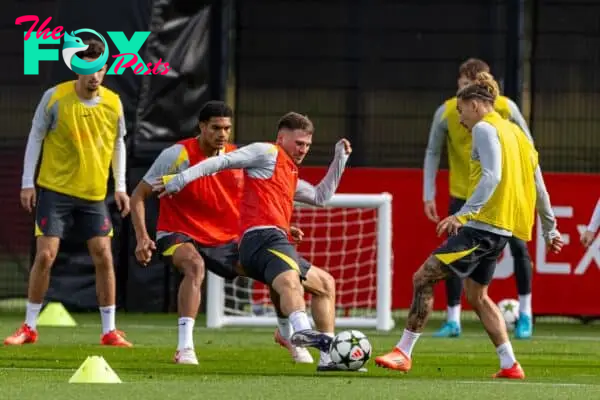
pixel 55 314
pixel 95 369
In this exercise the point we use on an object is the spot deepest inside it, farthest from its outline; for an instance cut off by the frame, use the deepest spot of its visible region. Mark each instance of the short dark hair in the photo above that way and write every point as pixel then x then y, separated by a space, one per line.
pixel 471 67
pixel 214 109
pixel 293 121
pixel 94 50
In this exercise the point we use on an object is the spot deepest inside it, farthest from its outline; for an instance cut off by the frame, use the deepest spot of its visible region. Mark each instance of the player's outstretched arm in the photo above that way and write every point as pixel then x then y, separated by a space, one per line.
pixel 433 153
pixel 517 118
pixel 251 156
pixel 119 166
pixel 544 210
pixel 587 237
pixel 318 195
pixel 42 120
pixel 487 150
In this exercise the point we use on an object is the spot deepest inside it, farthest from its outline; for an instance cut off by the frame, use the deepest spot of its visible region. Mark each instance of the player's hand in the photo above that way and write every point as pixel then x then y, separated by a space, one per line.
pixel 296 234
pixel 122 200
pixel 554 241
pixel 431 211
pixel 450 224
pixel 143 250
pixel 556 244
pixel 343 146
pixel 587 237
pixel 168 185
pixel 28 199
pixel 159 187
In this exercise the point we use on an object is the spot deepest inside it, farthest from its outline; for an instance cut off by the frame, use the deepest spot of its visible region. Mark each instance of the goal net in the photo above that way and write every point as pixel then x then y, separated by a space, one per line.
pixel 351 238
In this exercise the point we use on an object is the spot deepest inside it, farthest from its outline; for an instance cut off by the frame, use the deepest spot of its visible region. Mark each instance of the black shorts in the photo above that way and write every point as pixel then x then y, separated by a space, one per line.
pixel 266 253
pixel 455 205
pixel 221 260
pixel 472 253
pixel 57 213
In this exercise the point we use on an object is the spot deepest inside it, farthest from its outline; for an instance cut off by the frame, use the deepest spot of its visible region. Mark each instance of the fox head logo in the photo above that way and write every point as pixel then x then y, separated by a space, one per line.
pixel 73 44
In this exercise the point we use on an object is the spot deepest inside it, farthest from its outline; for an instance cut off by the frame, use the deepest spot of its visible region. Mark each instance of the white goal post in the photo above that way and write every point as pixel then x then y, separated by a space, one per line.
pixel 351 237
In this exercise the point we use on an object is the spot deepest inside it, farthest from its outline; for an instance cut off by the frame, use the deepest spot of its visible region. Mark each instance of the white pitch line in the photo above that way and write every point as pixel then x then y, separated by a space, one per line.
pixel 35 369
pixel 459 382
pixel 546 337
pixel 513 382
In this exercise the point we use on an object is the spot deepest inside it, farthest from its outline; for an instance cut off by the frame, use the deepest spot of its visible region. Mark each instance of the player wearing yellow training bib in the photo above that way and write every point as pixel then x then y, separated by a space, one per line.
pixel 79 129
pixel 446 127
pixel 505 187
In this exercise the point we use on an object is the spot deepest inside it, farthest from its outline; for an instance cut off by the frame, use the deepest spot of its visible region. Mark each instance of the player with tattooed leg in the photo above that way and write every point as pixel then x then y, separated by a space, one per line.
pixel 505 189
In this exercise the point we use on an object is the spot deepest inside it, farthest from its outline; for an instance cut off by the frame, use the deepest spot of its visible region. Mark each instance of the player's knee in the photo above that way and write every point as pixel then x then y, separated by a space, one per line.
pixel 431 272
pixel 101 253
pixel 45 257
pixel 421 278
pixel 417 279
pixel 320 283
pixel 328 285
pixel 287 282
pixel 193 268
pixel 476 298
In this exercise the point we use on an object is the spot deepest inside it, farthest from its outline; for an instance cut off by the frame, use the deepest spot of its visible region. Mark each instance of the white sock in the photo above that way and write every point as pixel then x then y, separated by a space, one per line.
pixel 299 321
pixel 108 319
pixel 525 304
pixel 285 328
pixel 408 341
pixel 186 333
pixel 325 358
pixel 454 314
pixel 506 355
pixel 31 315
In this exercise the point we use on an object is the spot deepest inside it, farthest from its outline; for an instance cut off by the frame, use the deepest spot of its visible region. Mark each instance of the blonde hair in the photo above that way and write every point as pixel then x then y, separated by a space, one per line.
pixel 484 87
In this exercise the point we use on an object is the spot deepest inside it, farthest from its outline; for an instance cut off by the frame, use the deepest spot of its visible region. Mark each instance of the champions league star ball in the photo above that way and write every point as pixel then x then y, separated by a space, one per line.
pixel 350 350
pixel 510 312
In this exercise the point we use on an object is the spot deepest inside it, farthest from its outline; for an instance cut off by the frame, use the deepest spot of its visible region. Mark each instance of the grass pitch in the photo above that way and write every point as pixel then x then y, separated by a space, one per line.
pixel 561 362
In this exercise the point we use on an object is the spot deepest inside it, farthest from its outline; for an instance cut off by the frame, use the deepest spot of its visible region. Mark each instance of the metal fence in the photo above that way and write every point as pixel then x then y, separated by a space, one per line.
pixel 373 71
pixel 565 84
pixel 18 99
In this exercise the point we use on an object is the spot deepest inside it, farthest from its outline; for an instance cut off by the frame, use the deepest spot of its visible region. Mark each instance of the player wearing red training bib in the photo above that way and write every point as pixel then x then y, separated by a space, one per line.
pixel 271 186
pixel 198 229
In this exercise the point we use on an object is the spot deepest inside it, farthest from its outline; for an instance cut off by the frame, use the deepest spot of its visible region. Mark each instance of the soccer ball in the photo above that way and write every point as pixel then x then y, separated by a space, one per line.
pixel 350 350
pixel 510 311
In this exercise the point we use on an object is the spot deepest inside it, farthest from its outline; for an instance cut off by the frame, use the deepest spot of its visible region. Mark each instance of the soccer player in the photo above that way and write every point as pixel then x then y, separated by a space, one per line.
pixel 446 126
pixel 587 237
pixel 271 186
pixel 198 230
pixel 505 189
pixel 80 125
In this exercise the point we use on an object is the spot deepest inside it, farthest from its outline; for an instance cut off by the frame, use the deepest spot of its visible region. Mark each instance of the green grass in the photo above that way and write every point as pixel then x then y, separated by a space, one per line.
pixel 563 361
